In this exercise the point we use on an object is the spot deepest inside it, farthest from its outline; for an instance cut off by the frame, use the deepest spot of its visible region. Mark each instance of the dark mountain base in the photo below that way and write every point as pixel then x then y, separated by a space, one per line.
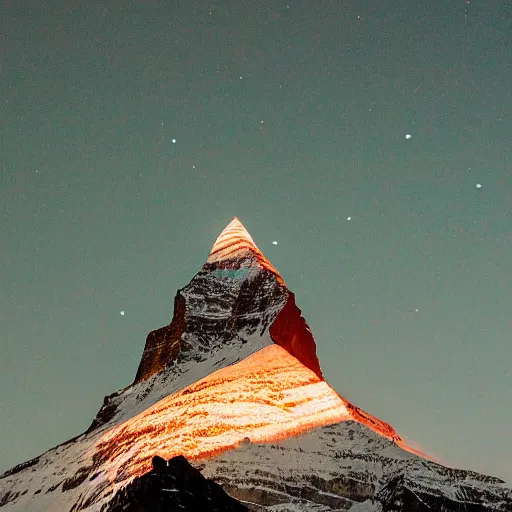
pixel 173 485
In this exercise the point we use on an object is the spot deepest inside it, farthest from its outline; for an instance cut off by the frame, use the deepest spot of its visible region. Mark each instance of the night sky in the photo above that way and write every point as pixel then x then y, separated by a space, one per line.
pixel 370 139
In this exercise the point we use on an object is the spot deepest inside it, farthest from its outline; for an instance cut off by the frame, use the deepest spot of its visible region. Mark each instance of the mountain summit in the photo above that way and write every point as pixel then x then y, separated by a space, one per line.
pixel 238 294
pixel 233 387
pixel 234 244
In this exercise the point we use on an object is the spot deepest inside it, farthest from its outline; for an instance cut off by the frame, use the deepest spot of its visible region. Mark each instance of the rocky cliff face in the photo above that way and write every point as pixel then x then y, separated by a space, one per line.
pixel 234 384
pixel 242 298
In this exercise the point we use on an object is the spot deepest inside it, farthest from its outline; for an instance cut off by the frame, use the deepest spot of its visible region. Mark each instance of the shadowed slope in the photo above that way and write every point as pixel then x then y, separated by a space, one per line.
pixel 290 331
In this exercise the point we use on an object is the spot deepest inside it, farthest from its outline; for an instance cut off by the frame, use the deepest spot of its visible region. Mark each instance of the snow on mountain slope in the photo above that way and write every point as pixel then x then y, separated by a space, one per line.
pixel 68 466
pixel 339 466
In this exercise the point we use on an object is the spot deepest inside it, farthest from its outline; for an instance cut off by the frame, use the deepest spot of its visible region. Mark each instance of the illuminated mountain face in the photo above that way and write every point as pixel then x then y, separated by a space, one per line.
pixel 234 375
pixel 266 397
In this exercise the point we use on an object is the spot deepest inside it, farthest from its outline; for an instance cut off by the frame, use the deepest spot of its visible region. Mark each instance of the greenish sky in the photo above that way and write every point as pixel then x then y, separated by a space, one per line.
pixel 133 131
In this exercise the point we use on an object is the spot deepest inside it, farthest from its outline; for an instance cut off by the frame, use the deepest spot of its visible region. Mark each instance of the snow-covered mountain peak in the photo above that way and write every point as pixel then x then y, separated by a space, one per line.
pixel 235 243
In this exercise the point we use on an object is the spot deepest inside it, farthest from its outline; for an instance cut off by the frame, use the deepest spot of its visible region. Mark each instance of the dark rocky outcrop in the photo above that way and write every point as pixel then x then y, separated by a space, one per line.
pixel 173 485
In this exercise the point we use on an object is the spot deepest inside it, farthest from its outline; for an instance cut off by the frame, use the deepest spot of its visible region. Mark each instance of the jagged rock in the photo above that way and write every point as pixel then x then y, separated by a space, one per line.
pixel 172 485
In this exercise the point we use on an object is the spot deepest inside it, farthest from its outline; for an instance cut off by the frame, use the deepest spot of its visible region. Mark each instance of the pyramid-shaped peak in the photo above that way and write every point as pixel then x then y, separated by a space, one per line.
pixel 235 242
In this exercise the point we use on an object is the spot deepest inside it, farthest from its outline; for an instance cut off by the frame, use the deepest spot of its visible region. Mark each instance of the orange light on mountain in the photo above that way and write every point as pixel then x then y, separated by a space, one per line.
pixel 266 397
pixel 269 396
pixel 235 243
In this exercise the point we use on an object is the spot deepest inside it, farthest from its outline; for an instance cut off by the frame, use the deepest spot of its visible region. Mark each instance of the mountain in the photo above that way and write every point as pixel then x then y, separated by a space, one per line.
pixel 229 410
